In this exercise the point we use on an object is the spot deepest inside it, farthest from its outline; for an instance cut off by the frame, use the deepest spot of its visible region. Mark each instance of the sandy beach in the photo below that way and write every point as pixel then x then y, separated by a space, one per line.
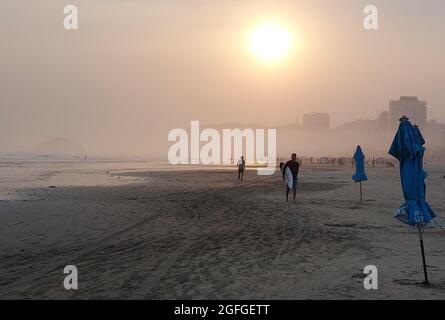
pixel 199 234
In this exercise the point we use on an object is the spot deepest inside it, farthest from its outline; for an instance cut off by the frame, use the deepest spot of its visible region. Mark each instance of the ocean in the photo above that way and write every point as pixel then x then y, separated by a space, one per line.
pixel 20 172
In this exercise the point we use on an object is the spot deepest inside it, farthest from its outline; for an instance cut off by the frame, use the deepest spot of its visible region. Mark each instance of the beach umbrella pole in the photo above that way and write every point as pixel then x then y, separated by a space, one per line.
pixel 361 193
pixel 423 255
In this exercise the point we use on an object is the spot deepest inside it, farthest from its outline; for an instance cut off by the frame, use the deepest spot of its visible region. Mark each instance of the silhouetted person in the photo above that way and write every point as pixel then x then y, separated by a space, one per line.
pixel 241 167
pixel 281 167
pixel 294 167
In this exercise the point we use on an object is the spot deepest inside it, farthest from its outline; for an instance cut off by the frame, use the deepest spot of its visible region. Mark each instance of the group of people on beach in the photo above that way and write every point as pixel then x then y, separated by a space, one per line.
pixel 342 161
pixel 293 165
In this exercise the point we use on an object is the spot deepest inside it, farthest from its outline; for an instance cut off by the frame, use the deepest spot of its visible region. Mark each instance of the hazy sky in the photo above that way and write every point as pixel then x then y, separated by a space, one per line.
pixel 136 69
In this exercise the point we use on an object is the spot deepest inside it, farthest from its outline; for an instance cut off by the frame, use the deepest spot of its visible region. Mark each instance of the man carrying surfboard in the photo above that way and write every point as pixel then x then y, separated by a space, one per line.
pixel 290 175
pixel 241 166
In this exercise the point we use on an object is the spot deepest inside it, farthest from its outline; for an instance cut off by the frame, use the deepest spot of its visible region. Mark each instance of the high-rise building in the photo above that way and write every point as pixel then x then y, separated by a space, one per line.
pixel 442 139
pixel 383 121
pixel 411 107
pixel 316 121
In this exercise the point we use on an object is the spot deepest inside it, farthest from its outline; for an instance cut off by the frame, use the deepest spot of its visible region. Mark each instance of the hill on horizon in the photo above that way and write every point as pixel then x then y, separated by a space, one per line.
pixel 60 146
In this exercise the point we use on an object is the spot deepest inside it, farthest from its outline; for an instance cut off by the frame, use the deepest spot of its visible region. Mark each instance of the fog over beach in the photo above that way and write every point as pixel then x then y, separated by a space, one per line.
pixel 118 88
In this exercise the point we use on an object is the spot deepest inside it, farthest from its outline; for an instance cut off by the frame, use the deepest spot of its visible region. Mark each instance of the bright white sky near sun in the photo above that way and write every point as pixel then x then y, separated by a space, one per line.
pixel 135 69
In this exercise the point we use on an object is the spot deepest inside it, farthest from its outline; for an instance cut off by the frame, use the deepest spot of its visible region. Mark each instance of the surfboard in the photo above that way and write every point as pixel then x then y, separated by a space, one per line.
pixel 288 178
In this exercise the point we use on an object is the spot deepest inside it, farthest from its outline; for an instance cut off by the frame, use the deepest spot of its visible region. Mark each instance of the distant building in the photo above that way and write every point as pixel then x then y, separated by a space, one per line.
pixel 411 107
pixel 383 122
pixel 442 139
pixel 316 121
pixel 374 135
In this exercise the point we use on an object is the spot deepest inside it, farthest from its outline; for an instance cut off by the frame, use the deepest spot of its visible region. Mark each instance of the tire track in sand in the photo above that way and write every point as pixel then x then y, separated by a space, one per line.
pixel 148 285
pixel 33 279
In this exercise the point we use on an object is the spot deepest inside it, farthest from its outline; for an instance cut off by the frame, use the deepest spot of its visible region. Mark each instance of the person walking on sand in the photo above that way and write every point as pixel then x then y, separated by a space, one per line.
pixel 241 167
pixel 294 167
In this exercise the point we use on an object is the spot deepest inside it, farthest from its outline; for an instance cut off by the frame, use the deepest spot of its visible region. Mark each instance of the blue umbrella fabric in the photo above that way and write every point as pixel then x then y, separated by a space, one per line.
pixel 418 136
pixel 359 158
pixel 407 147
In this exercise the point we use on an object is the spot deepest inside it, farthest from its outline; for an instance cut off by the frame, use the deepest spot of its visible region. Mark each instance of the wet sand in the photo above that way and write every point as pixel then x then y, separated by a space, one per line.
pixel 201 235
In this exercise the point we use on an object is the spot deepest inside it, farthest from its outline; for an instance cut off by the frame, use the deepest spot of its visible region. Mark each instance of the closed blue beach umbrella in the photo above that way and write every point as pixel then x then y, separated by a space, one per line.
pixel 407 147
pixel 360 174
pixel 418 135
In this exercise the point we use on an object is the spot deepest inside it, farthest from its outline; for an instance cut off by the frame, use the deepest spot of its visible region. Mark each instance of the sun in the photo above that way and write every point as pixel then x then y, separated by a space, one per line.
pixel 270 42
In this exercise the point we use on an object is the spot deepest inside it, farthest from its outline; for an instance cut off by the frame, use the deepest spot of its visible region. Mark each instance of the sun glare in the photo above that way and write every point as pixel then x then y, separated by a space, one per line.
pixel 270 42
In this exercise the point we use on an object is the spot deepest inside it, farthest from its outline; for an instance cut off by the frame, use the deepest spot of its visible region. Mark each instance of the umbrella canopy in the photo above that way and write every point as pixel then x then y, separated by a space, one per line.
pixel 418 135
pixel 407 147
pixel 359 158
